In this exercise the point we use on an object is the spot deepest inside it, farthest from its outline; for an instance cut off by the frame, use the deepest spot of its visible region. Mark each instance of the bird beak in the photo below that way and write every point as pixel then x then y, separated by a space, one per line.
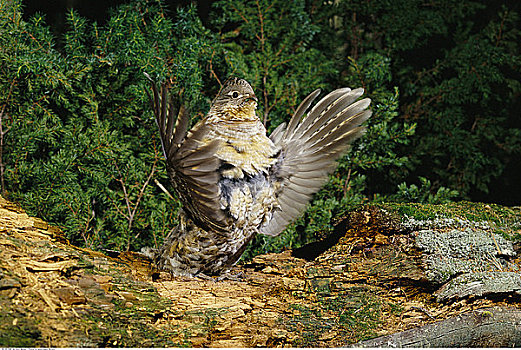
pixel 252 98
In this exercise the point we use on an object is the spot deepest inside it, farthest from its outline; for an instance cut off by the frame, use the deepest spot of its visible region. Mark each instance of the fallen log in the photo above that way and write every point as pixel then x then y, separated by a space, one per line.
pixel 397 274
pixel 489 327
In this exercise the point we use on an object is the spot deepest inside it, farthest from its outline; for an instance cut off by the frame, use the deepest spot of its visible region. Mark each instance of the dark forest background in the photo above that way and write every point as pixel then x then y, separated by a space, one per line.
pixel 78 144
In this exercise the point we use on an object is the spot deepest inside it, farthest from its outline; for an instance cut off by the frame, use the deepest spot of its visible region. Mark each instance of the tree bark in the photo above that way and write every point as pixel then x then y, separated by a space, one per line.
pixel 490 327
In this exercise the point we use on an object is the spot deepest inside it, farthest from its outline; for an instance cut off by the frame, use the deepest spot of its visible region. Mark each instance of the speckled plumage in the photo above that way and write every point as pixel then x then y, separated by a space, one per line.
pixel 235 182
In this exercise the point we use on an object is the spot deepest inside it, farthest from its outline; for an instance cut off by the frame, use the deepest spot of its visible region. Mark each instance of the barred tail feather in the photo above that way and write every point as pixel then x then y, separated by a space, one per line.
pixel 310 147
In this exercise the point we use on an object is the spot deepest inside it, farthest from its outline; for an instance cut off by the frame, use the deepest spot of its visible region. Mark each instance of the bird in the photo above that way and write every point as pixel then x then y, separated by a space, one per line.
pixel 234 181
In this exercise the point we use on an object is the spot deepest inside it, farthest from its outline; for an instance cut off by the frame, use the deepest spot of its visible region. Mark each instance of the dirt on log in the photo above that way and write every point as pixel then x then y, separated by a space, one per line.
pixel 387 275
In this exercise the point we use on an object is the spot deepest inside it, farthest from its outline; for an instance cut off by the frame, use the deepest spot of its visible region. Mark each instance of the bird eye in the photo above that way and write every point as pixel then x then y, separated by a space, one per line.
pixel 235 94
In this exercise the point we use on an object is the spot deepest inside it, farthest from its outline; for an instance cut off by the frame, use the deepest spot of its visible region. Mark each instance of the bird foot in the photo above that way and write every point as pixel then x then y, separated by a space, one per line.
pixel 227 275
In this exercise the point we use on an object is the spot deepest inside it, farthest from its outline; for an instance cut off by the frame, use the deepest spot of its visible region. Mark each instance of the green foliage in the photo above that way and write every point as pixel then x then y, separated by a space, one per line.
pixel 91 164
pixel 464 113
pixel 423 194
pixel 457 66
pixel 393 26
pixel 82 150
pixel 79 146
pixel 269 44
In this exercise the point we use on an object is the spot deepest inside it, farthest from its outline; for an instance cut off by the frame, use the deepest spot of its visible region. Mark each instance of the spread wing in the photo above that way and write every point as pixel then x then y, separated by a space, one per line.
pixel 191 163
pixel 310 148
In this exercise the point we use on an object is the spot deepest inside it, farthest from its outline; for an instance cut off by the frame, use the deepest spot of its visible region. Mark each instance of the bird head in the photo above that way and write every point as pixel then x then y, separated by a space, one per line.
pixel 236 100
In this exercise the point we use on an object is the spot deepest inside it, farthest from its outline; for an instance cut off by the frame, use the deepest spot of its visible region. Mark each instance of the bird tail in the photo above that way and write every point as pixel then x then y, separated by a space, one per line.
pixel 172 134
pixel 310 147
